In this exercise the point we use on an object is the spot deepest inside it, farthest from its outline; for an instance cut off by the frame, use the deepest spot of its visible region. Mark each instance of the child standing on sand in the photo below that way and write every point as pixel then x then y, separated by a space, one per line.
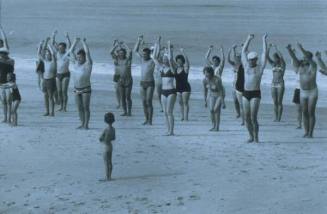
pixel 107 136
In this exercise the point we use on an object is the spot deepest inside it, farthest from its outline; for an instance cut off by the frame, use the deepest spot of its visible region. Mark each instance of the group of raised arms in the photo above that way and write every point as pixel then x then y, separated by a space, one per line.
pixel 165 70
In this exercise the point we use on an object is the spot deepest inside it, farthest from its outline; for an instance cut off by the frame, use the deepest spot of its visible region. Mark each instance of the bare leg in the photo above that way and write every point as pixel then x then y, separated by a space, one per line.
pixel 280 93
pixel 254 105
pixel 15 106
pixel 171 99
pixel 46 103
pixel 129 100
pixel 217 110
pixel 149 97
pixel 80 108
pixel 123 100
pixel 158 89
pixel 186 98
pixel 299 116
pixel 65 84
pixel 118 96
pixel 212 103
pixel 145 109
pixel 108 162
pixel 274 95
pixel 165 109
pixel 247 116
pixel 236 105
pixel 59 91
pixel 86 98
pixel 51 102
pixel 305 113
pixel 181 104
pixel 240 101
pixel 4 103
pixel 312 114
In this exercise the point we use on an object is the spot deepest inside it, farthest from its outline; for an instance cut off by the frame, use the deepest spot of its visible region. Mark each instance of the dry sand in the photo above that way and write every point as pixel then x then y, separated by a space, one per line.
pixel 47 166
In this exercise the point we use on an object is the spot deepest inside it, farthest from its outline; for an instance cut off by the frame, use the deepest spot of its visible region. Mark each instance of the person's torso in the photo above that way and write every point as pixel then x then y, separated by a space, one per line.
pixel 214 86
pixel 307 77
pixel 123 68
pixel 181 77
pixel 147 69
pixel 252 78
pixel 168 78
pixel 6 66
pixel 49 69
pixel 62 63
pixel 278 74
pixel 82 75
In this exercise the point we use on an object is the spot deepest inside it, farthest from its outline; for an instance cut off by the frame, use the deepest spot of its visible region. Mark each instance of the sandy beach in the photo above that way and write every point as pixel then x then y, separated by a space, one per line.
pixel 47 166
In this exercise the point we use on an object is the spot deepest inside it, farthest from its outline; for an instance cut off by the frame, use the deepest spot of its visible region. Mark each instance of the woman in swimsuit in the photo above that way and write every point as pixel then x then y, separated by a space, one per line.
pixel 183 87
pixel 122 57
pixel 13 98
pixel 168 96
pixel 238 81
pixel 116 76
pixel 81 70
pixel 277 85
pixel 215 86
pixel 156 53
pixel 63 73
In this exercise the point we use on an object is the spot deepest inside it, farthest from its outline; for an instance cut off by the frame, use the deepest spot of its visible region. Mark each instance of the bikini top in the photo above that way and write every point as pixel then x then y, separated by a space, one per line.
pixel 169 73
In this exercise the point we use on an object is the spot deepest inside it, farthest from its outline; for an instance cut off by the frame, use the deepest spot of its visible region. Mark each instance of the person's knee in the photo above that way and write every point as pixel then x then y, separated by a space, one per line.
pixel 149 102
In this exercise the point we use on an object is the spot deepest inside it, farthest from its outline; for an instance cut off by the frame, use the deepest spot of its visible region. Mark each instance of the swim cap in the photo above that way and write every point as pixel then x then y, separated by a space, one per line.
pixel 252 55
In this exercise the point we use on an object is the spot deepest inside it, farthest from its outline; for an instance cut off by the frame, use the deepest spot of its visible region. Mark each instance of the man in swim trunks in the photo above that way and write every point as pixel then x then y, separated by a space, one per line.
pixel 252 95
pixel 147 80
pixel 307 69
pixel 123 64
pixel 6 66
pixel 49 75
pixel 63 74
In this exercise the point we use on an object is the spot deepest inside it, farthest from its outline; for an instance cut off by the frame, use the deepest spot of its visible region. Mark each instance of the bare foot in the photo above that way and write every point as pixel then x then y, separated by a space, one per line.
pixel 305 135
pixel 299 127
pixel 250 140
pixel 124 114
pixel 80 127
pixel 212 129
pixel 145 123
pixel 46 114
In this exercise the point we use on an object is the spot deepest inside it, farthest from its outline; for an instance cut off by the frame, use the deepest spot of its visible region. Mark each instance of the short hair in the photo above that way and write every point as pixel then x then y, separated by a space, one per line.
pixel 309 54
pixel 209 70
pixel 123 50
pixel 12 76
pixel 81 52
pixel 109 118
pixel 147 50
pixel 216 58
pixel 63 44
pixel 181 57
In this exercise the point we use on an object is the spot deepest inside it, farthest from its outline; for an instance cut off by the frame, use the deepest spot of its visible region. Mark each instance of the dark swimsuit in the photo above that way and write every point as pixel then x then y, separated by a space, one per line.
pixel 5 68
pixel 239 85
pixel 182 84
pixel 251 94
pixel 16 95
pixel 63 75
pixel 167 92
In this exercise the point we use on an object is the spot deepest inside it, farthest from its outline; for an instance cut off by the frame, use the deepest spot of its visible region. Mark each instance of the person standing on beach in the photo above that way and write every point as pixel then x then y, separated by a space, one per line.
pixel 307 69
pixel 122 57
pixel 147 80
pixel 168 96
pixel 157 53
pixel 217 64
pixel 107 136
pixel 277 85
pixel 253 71
pixel 217 91
pixel 6 66
pixel 296 97
pixel 238 81
pixel 63 74
pixel 81 69
pixel 49 75
pixel 116 77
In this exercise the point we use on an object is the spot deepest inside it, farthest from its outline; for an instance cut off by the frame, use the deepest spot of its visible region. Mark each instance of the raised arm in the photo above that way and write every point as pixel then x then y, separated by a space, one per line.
pixel 230 61
pixel 69 43
pixel 170 56
pixel 308 55
pixel 53 53
pixel 53 39
pixel 280 56
pixel 295 60
pixel 4 38
pixel 270 60
pixel 39 50
pixel 207 57
pixel 113 49
pixel 87 51
pixel 137 45
pixel 264 53
pixel 128 50
pixel 321 63
pixel 156 51
pixel 222 63
pixel 187 62
pixel 244 52
pixel 72 48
